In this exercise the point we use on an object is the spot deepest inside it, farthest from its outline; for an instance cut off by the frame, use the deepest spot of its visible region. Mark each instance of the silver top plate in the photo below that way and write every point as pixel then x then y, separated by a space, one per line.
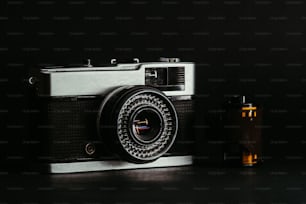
pixel 88 80
pixel 118 67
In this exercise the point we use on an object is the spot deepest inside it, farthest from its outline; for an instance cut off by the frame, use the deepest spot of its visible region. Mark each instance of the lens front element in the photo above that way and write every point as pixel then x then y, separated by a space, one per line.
pixel 147 125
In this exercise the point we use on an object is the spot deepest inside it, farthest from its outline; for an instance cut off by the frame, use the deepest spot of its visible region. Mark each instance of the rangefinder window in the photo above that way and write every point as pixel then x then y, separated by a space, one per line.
pixel 156 76
pixel 166 78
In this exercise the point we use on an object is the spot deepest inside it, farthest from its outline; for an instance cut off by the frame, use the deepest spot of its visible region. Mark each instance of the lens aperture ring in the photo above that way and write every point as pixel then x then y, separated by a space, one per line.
pixel 149 150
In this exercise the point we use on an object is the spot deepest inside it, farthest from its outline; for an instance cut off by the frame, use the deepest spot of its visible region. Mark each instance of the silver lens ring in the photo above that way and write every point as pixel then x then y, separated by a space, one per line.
pixel 164 140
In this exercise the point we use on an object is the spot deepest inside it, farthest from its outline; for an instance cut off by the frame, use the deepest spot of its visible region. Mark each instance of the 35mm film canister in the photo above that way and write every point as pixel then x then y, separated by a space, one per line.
pixel 242 132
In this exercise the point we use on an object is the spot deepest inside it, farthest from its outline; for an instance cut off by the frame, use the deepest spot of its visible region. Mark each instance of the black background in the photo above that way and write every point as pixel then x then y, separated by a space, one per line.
pixel 253 47
pixel 250 47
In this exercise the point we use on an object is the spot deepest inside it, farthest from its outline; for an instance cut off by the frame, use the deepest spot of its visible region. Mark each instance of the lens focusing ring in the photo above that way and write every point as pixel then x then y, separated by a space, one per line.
pixel 164 141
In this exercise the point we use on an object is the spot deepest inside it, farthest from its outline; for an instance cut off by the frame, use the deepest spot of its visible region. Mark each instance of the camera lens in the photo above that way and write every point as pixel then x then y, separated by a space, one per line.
pixel 138 123
pixel 146 125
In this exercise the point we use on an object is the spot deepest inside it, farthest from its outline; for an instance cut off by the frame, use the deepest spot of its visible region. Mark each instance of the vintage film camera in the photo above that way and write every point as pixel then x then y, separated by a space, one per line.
pixel 120 116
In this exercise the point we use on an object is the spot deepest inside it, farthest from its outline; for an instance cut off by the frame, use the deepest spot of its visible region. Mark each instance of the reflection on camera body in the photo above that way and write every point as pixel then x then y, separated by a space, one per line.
pixel 121 116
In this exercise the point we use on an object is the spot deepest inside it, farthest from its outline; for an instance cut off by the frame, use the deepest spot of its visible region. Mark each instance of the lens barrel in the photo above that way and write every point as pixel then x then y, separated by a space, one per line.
pixel 139 123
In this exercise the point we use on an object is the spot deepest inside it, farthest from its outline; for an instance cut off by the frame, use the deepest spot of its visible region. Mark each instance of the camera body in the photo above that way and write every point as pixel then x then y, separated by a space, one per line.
pixel 121 116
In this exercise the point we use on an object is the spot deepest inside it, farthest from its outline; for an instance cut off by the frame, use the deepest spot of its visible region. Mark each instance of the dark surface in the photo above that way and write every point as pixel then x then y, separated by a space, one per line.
pixel 270 183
